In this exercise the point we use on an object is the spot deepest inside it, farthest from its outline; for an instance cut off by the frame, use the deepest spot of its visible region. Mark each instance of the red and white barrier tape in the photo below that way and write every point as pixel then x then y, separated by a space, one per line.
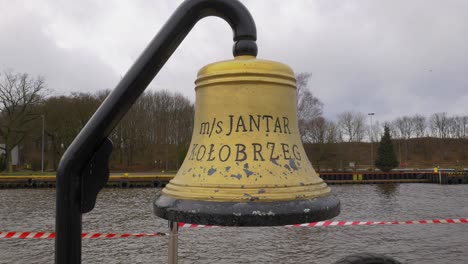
pixel 185 225
pixel 358 223
pixel 354 223
pixel 51 235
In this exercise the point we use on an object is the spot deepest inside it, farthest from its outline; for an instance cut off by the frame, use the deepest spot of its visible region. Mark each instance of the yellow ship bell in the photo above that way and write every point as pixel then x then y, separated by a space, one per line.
pixel 246 165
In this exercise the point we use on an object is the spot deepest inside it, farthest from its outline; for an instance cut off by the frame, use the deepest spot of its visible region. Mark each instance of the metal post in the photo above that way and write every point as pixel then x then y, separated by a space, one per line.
pixel 42 156
pixel 173 242
pixel 371 143
pixel 399 149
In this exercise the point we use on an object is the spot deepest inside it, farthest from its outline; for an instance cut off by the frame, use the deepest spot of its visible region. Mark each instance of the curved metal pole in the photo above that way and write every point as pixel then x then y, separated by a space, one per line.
pixel 91 148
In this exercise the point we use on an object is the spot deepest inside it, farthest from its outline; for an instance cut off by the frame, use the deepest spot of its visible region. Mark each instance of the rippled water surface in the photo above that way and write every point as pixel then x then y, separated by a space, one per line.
pixel 130 210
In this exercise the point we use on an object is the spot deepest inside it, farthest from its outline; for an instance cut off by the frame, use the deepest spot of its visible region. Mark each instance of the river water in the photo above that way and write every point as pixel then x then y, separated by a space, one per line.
pixel 130 211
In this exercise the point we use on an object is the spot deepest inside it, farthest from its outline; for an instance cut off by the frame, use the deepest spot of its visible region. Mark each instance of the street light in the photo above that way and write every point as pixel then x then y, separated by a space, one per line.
pixel 42 154
pixel 371 142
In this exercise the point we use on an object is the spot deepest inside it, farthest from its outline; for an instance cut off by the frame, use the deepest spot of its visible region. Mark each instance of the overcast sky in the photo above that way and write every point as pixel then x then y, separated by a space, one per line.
pixel 393 58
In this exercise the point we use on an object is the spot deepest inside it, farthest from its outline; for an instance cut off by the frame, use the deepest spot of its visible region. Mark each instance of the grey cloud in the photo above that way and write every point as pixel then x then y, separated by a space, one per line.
pixel 28 49
pixel 388 57
pixel 392 58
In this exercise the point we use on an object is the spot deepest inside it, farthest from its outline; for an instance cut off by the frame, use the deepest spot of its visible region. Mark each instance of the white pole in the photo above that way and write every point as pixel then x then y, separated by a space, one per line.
pixel 173 242
pixel 42 156
pixel 371 144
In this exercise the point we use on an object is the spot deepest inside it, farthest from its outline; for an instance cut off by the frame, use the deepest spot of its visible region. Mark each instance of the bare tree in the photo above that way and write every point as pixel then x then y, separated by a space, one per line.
pixel 345 122
pixel 320 130
pixel 452 129
pixel 439 124
pixel 19 95
pixel 61 131
pixel 394 131
pixel 302 82
pixel 309 107
pixel 376 132
pixel 157 130
pixel 352 125
pixel 463 122
pixel 420 126
pixel 333 132
pixel 458 126
pixel 360 127
pixel 405 126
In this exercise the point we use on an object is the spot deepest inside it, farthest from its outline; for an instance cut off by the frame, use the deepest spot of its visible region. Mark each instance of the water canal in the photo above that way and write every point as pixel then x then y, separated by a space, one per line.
pixel 130 210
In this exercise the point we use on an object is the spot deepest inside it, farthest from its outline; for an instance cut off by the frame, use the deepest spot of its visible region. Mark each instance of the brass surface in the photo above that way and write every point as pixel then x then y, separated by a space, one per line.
pixel 246 144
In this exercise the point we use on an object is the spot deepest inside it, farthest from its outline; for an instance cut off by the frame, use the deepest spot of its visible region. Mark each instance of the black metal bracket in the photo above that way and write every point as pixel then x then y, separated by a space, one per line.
pixel 94 176
pixel 83 169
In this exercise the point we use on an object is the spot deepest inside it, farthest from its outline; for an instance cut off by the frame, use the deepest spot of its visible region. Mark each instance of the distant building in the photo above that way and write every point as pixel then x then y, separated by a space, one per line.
pixel 14 154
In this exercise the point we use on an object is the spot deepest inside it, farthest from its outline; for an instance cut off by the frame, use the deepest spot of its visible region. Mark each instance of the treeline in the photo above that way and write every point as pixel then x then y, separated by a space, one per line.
pixel 154 134
pixel 419 141
pixel 356 127
pixel 352 137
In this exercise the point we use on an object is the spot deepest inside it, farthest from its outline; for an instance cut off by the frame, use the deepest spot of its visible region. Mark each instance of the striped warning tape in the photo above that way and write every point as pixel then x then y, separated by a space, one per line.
pixel 185 225
pixel 360 223
pixel 354 223
pixel 51 235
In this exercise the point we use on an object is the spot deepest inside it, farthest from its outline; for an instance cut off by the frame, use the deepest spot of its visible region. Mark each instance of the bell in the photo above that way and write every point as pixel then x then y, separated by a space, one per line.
pixel 246 165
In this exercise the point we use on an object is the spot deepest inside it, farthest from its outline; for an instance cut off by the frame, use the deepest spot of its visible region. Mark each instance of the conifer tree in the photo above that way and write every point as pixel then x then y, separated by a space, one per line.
pixel 386 157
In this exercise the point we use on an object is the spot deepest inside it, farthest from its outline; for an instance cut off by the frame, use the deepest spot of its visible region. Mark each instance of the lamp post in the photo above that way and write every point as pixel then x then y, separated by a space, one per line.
pixel 42 152
pixel 371 142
